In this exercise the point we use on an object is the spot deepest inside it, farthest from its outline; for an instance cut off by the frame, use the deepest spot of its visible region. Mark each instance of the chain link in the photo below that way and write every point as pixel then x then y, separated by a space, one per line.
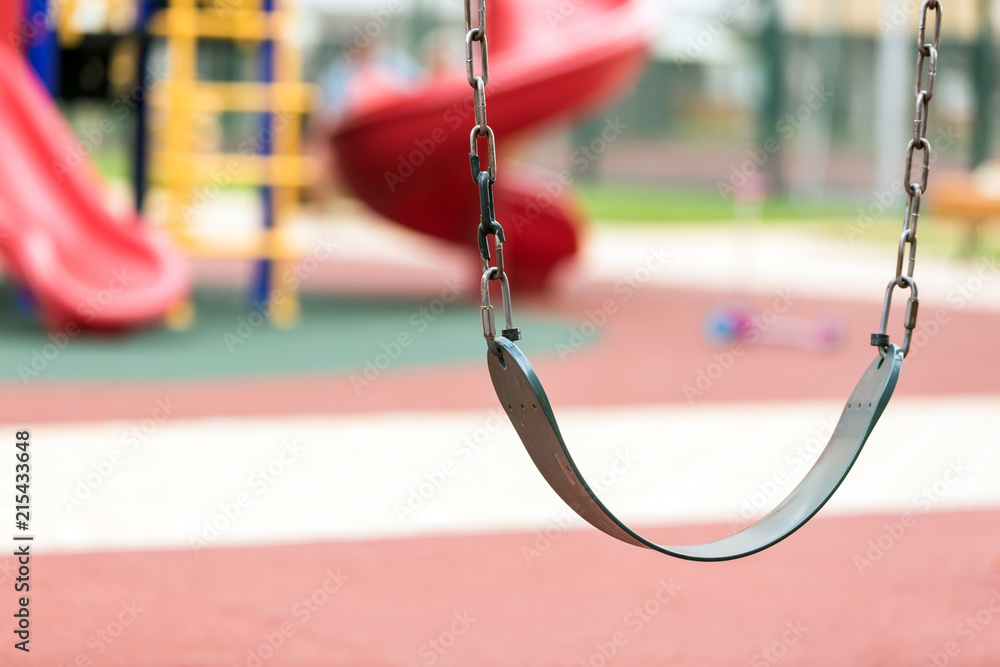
pixel 478 82
pixel 927 55
pixel 484 180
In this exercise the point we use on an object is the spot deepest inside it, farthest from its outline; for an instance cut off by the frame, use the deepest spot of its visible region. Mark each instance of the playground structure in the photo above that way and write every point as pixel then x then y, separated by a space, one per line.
pixel 973 200
pixel 85 269
pixel 548 82
pixel 401 151
pixel 408 153
pixel 272 160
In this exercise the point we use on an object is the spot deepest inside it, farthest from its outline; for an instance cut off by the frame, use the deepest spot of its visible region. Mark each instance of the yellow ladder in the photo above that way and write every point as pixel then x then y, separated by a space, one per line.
pixel 186 173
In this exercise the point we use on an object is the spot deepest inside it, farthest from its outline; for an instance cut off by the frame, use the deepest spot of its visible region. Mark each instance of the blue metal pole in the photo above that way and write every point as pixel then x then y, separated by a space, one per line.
pixel 42 47
pixel 140 155
pixel 262 280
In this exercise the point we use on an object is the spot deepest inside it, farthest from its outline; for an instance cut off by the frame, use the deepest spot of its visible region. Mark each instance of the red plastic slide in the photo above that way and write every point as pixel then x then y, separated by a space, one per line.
pixel 84 267
pixel 550 60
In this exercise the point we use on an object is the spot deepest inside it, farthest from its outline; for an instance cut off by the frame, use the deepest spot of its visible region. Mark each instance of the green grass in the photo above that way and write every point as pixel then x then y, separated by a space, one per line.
pixel 837 220
pixel 114 165
pixel 650 204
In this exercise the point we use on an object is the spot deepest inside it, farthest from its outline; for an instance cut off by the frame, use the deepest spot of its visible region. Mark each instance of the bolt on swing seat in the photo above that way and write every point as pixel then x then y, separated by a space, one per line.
pixel 523 398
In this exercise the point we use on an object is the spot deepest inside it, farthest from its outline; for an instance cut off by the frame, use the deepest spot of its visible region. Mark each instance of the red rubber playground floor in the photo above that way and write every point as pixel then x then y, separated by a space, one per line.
pixel 860 590
pixel 649 350
pixel 578 599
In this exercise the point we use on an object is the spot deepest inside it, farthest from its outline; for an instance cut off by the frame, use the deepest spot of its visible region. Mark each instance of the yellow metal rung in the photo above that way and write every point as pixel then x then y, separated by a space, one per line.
pixel 221 23
pixel 249 97
pixel 262 244
pixel 235 169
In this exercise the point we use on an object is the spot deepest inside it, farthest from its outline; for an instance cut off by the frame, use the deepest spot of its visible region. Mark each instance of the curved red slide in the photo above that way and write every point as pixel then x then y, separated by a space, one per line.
pixel 83 266
pixel 550 60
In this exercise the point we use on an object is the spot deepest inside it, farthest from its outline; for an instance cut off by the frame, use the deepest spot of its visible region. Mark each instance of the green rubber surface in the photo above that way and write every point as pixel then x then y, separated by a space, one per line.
pixel 228 339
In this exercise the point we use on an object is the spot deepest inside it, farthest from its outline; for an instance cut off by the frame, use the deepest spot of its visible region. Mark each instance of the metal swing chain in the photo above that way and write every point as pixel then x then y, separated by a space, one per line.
pixel 484 180
pixel 905 259
pixel 906 256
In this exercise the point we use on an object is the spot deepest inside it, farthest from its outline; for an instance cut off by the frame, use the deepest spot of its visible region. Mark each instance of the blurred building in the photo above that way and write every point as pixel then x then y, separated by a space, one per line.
pixel 725 76
pixel 713 90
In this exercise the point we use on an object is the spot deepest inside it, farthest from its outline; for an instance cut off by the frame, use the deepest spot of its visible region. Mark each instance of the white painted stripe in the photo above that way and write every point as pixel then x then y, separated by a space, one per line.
pixel 675 464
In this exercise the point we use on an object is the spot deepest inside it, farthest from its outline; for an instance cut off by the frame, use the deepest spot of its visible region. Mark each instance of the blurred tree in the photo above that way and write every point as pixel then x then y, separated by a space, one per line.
pixel 772 101
pixel 982 86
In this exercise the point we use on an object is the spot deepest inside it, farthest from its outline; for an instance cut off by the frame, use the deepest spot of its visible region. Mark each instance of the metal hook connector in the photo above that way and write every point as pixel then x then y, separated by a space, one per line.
pixel 510 332
pixel 489 324
pixel 881 339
